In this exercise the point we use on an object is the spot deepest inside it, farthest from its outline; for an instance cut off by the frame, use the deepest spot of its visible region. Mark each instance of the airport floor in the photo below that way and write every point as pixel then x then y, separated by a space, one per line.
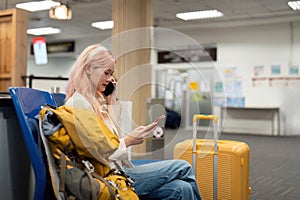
pixel 274 162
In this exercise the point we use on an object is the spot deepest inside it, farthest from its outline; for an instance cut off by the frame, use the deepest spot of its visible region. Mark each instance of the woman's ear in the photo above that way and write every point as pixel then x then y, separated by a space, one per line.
pixel 88 69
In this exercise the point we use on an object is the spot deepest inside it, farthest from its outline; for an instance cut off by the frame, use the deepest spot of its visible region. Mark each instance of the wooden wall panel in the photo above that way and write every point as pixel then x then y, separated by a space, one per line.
pixel 13 48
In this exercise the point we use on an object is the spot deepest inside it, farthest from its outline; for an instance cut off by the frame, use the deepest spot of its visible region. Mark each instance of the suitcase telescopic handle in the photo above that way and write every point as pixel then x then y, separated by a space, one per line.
pixel 205 117
pixel 215 129
pixel 215 158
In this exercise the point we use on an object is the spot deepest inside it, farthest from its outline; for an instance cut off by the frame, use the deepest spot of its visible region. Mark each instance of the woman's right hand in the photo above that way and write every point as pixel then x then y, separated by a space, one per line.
pixel 139 134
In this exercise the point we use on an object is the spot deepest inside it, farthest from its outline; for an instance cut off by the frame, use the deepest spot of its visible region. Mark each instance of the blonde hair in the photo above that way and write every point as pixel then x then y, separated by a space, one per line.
pixel 93 55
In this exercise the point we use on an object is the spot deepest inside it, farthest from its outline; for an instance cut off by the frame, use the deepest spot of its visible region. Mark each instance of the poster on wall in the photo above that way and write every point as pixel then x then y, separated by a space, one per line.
pixel 259 70
pixel 219 87
pixel 230 92
pixel 219 96
pixel 275 69
pixel 230 72
pixel 40 50
pixel 238 87
pixel 294 70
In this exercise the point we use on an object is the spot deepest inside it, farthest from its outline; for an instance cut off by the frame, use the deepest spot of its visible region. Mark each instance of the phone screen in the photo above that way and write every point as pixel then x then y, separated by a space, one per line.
pixel 109 89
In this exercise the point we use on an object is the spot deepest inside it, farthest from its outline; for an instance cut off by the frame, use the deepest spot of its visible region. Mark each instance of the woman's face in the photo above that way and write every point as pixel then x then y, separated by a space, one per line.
pixel 101 76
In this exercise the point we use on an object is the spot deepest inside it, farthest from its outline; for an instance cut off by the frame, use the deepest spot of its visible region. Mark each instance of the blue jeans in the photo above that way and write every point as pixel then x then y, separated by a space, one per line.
pixel 169 179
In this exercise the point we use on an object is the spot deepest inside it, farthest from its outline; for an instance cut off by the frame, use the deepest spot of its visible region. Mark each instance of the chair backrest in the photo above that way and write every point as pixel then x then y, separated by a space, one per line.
pixel 59 98
pixel 28 102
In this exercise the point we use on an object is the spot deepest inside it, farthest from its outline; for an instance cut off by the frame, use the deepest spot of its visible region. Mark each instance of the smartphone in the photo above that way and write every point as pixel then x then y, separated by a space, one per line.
pixel 109 89
pixel 159 131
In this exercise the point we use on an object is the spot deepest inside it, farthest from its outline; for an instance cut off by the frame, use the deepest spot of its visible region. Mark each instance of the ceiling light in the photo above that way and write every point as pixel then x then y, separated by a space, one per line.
pixel 60 12
pixel 43 31
pixel 38 5
pixel 103 25
pixel 295 5
pixel 199 14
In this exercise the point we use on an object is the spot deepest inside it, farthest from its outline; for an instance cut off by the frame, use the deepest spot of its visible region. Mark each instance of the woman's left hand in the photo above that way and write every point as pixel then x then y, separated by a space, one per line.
pixel 139 134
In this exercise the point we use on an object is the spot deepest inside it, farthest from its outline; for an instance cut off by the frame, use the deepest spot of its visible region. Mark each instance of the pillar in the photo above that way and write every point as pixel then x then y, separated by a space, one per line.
pixel 131 46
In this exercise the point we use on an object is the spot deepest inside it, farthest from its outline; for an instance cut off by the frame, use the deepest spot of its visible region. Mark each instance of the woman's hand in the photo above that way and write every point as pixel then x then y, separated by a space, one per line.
pixel 138 135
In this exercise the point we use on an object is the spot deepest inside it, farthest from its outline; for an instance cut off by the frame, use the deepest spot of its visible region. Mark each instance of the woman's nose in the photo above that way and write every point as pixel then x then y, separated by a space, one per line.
pixel 111 79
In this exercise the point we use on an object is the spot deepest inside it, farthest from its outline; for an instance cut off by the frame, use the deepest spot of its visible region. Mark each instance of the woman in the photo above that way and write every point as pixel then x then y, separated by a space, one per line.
pixel 92 72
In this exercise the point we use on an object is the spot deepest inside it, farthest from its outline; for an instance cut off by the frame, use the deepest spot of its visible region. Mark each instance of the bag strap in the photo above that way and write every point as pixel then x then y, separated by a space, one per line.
pixel 63 167
pixel 93 190
pixel 91 170
pixel 108 185
pixel 51 163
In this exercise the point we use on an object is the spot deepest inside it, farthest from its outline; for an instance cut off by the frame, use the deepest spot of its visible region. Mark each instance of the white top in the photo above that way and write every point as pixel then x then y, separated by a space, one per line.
pixel 121 154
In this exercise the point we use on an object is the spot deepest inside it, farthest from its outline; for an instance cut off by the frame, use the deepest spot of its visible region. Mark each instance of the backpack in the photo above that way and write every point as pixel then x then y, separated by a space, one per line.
pixel 81 144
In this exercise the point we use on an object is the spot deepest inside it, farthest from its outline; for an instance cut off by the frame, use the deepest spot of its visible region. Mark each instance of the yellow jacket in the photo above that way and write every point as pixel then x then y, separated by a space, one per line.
pixel 80 134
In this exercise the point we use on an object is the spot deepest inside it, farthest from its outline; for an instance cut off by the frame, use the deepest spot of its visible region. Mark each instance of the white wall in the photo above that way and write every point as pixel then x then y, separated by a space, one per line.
pixel 247 46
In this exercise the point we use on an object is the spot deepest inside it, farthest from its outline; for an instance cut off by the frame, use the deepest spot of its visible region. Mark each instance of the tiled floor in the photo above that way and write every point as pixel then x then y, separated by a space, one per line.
pixel 274 162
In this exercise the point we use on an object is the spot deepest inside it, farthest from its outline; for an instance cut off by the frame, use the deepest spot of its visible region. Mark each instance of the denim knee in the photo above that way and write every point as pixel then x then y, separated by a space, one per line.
pixel 179 189
pixel 174 190
pixel 185 189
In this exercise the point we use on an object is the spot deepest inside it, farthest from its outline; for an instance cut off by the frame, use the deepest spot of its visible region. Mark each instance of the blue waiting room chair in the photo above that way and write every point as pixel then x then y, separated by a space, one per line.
pixel 28 102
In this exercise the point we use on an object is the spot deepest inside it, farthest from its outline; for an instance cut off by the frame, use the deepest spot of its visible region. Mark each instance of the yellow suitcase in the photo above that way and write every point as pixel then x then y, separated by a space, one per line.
pixel 223 167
